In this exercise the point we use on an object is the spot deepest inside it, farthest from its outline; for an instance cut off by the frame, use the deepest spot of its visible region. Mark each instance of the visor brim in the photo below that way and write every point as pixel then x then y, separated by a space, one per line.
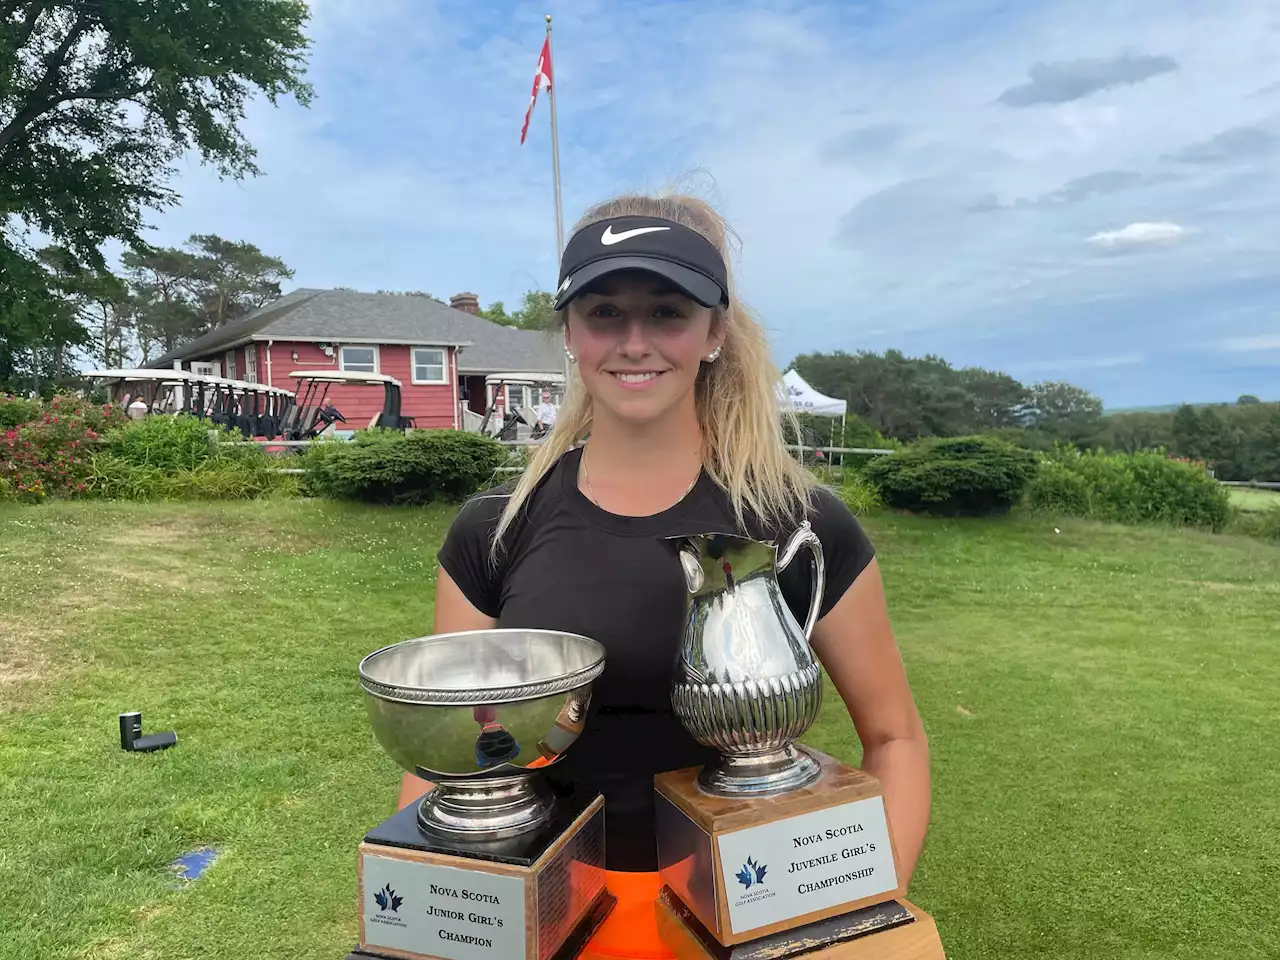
pixel 697 286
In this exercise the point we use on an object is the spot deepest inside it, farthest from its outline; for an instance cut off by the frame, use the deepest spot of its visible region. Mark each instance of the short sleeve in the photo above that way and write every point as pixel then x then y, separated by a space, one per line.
pixel 467 552
pixel 846 552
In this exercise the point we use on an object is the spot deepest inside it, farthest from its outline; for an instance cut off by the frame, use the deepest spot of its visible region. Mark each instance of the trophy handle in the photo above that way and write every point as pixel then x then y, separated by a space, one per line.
pixel 694 578
pixel 805 537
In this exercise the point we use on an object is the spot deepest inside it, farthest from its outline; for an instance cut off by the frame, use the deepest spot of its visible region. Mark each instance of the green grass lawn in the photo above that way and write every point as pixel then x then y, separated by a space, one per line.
pixel 1103 705
pixel 1250 498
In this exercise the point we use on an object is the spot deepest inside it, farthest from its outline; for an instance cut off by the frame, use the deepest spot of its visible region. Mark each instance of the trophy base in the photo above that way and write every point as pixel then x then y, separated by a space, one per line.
pixel 749 867
pixel 537 896
pixel 896 930
pixel 764 776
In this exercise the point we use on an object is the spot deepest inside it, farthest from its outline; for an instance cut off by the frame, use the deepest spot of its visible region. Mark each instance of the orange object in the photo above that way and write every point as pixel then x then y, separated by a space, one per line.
pixel 630 932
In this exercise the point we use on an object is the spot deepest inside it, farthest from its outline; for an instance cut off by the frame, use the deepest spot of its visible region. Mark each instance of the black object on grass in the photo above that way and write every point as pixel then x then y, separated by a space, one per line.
pixel 131 737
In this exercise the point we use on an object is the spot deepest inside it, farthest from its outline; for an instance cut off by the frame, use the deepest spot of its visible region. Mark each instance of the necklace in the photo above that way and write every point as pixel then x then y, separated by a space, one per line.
pixel 591 491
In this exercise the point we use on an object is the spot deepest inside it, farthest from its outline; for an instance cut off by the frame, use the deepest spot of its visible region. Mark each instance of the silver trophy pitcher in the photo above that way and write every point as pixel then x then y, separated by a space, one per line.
pixel 747 683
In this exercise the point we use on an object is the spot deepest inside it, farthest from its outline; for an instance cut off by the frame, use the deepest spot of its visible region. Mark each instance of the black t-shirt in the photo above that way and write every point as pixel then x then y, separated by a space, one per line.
pixel 569 565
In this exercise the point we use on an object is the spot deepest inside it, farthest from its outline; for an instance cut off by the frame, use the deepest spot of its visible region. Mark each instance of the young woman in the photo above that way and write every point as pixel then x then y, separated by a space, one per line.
pixel 670 426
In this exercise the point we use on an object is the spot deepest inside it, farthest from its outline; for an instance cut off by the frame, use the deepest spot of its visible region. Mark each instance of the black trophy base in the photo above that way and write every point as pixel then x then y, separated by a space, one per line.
pixel 572 946
pixel 894 929
pixel 401 830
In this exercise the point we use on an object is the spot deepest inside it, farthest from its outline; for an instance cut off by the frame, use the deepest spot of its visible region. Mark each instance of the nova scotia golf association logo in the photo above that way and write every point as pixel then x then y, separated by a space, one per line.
pixel 751 874
pixel 387 899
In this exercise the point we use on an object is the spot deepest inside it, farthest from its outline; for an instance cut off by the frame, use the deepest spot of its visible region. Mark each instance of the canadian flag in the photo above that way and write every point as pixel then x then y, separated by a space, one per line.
pixel 541 81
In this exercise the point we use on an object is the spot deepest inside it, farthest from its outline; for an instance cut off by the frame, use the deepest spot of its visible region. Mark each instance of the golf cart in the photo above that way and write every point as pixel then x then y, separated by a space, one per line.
pixel 518 394
pixel 255 409
pixel 313 414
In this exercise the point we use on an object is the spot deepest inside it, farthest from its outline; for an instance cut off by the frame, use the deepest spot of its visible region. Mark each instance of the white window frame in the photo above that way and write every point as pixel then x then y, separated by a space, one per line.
pixel 443 365
pixel 231 364
pixel 342 357
pixel 208 368
pixel 251 363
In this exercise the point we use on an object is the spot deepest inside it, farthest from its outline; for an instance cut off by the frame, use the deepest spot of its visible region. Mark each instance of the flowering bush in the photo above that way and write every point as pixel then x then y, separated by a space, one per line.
pixel 49 454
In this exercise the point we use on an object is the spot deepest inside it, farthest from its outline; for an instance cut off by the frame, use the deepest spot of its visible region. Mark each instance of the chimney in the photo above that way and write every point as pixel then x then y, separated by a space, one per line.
pixel 466 302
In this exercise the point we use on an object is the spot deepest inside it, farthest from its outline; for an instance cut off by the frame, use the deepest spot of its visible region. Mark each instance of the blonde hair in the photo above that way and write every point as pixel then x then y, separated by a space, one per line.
pixel 743 444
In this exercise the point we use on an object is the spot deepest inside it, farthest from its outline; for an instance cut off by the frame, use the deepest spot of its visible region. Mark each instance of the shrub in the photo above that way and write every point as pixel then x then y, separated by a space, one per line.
pixel 1129 488
pixel 184 458
pixel 858 493
pixel 242 478
pixel 1264 524
pixel 49 456
pixel 168 443
pixel 960 476
pixel 15 411
pixel 383 466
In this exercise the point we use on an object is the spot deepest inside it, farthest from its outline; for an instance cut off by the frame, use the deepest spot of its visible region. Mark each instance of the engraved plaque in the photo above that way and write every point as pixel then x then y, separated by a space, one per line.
pixel 442 911
pixel 789 868
pixel 569 883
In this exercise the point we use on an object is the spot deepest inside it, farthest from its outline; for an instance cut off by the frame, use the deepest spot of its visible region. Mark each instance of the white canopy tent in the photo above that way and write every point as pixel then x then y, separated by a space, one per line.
pixel 804 399
pixel 796 394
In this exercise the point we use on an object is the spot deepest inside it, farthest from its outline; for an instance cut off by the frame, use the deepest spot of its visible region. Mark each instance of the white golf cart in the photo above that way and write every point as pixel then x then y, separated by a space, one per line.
pixel 255 409
pixel 312 413
pixel 515 410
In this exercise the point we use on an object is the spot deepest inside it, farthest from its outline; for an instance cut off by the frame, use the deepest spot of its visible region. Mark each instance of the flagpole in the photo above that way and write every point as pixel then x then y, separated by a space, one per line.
pixel 555 151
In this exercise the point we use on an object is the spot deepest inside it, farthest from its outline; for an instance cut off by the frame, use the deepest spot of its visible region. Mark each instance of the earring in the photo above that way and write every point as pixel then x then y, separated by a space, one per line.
pixel 572 358
pixel 714 355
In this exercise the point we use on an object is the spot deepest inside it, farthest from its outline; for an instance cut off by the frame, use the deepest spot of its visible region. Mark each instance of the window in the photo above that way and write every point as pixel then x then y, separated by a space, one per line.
pixel 251 363
pixel 231 364
pixel 428 365
pixel 205 368
pixel 358 359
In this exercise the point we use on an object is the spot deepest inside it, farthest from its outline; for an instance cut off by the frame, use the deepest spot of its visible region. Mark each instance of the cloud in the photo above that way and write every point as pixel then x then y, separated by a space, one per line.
pixel 1104 362
pixel 1238 143
pixel 870 140
pixel 1266 341
pixel 1069 80
pixel 852 175
pixel 1137 235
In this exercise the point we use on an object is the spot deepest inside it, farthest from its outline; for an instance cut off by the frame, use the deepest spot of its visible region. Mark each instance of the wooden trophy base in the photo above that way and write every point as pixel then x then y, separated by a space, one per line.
pixel 539 896
pixel 897 930
pixel 749 867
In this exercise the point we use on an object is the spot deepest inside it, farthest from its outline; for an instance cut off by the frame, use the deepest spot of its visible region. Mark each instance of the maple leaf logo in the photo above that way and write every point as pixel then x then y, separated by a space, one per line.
pixel 387 899
pixel 752 873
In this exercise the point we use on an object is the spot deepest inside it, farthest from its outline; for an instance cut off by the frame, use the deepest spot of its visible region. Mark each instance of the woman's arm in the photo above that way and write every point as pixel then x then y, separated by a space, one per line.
pixel 454 612
pixel 855 643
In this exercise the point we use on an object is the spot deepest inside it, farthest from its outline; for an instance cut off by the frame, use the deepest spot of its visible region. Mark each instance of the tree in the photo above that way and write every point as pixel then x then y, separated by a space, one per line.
pixel 179 294
pixel 99 99
pixel 230 279
pixel 1134 432
pixel 99 302
pixel 403 293
pixel 999 400
pixel 497 313
pixel 1245 399
pixel 536 311
pixel 1065 411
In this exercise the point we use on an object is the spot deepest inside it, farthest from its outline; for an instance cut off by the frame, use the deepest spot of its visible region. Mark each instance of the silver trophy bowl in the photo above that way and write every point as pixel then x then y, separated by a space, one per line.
pixel 480 714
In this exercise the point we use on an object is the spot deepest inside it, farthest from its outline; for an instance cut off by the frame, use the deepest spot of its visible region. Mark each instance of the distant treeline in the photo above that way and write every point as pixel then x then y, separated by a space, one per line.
pixel 893 397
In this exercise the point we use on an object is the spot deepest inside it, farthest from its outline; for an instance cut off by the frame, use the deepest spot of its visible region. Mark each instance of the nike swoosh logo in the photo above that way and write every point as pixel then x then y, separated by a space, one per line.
pixel 609 238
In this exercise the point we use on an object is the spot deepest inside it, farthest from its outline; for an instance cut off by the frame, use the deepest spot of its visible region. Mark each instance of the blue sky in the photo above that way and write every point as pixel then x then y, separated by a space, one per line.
pixel 1063 189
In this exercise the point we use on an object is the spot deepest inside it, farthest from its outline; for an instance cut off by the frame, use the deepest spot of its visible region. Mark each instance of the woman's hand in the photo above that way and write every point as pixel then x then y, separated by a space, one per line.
pixel 856 645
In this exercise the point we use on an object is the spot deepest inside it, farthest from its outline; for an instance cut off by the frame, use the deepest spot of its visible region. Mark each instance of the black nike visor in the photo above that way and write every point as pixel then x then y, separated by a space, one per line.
pixel 662 247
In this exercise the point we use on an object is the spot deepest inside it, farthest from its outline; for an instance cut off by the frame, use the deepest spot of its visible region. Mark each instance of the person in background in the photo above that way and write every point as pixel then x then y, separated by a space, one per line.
pixel 547 411
pixel 670 426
